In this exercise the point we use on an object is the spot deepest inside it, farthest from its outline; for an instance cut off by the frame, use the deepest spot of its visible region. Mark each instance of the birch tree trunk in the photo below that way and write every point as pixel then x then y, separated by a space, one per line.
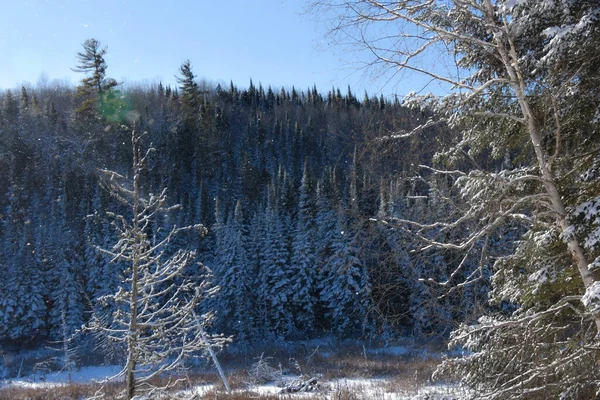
pixel 508 53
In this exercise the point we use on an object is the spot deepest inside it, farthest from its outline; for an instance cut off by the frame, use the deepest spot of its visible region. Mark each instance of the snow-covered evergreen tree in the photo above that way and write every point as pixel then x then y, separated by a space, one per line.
pixel 64 275
pixel 526 84
pixel 326 233
pixel 275 280
pixel 345 288
pixel 101 275
pixel 22 304
pixel 232 263
pixel 303 262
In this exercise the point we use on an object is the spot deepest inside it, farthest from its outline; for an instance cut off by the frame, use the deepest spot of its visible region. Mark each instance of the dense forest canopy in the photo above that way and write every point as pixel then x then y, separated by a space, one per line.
pixel 472 216
pixel 290 184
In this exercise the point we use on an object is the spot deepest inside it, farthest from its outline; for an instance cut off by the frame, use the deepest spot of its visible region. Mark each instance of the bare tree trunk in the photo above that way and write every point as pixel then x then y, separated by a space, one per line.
pixel 135 262
pixel 212 353
pixel 66 352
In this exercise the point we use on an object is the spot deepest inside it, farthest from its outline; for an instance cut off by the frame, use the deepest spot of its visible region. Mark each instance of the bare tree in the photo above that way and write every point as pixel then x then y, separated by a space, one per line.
pixel 154 314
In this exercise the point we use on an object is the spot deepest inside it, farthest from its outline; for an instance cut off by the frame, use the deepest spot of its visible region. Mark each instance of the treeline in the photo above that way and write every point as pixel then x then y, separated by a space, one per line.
pixel 292 184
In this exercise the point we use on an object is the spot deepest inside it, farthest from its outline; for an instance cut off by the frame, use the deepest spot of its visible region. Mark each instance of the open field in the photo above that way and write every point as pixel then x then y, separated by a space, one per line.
pixel 343 372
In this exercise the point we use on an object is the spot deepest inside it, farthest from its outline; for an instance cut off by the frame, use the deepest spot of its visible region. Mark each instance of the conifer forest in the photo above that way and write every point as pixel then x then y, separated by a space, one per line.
pixel 160 220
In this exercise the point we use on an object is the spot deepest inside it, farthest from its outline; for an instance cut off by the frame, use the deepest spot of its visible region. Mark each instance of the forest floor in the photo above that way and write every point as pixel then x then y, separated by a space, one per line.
pixel 348 371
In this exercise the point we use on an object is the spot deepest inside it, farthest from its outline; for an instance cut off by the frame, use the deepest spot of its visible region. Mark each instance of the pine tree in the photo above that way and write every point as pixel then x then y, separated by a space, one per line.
pixel 275 279
pixel 101 275
pixel 303 263
pixel 30 309
pixel 64 274
pixel 346 288
pixel 91 62
pixel 326 234
pixel 234 312
pixel 190 92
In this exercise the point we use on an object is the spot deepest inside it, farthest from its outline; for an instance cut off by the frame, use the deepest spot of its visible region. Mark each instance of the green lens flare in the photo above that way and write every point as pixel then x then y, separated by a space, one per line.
pixel 115 106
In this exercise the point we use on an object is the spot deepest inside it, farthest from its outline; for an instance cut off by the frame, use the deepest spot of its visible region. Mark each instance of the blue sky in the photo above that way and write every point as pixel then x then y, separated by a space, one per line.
pixel 270 41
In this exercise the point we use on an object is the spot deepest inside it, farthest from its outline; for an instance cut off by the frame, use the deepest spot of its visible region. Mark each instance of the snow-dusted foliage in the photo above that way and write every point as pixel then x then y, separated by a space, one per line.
pixel 525 111
pixel 65 276
pixel 303 263
pixel 22 305
pixel 274 279
pixel 345 286
pixel 589 212
pixel 154 315
pixel 233 268
pixel 214 145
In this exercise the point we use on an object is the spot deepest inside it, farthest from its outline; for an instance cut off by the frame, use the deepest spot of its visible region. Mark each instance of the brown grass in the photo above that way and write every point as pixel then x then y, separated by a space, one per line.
pixel 63 392
pixel 398 374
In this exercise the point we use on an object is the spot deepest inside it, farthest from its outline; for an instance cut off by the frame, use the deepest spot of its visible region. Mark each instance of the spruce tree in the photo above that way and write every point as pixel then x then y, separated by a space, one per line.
pixel 346 287
pixel 303 262
pixel 234 312
pixel 275 278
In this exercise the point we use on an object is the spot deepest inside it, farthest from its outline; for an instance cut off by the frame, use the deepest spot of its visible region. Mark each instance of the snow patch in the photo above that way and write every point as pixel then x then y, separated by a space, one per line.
pixel 595 265
pixel 591 298
pixel 540 276
pixel 89 374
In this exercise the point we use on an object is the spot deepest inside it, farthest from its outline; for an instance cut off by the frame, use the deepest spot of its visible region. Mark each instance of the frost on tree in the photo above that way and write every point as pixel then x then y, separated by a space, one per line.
pixel 274 280
pixel 303 269
pixel 525 114
pixel 232 268
pixel 345 288
pixel 154 314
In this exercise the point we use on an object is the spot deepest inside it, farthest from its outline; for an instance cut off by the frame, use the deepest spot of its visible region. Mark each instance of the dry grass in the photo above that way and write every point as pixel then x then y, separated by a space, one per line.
pixel 63 392
pixel 394 374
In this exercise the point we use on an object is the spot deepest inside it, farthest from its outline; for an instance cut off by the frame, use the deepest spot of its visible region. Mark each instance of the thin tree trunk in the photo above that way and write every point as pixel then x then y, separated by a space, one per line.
pixel 510 60
pixel 213 355
pixel 135 261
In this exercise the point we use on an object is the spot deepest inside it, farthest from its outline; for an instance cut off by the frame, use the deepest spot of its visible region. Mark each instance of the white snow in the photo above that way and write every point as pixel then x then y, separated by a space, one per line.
pixel 372 388
pixel 82 375
pixel 591 298
pixel 595 265
pixel 590 211
pixel 540 276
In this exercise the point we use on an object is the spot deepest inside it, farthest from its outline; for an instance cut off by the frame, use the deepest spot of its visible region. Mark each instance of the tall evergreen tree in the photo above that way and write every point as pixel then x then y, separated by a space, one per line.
pixel 234 301
pixel 190 92
pixel 303 262
pixel 346 287
pixel 91 62
pixel 275 279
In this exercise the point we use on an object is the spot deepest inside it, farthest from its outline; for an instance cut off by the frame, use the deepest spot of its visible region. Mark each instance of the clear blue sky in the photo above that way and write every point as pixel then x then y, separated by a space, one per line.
pixel 269 41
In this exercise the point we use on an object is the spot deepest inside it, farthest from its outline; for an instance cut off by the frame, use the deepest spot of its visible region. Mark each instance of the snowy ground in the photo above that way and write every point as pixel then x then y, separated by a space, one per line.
pixel 375 389
pixel 350 370
pixel 82 375
pixel 367 389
